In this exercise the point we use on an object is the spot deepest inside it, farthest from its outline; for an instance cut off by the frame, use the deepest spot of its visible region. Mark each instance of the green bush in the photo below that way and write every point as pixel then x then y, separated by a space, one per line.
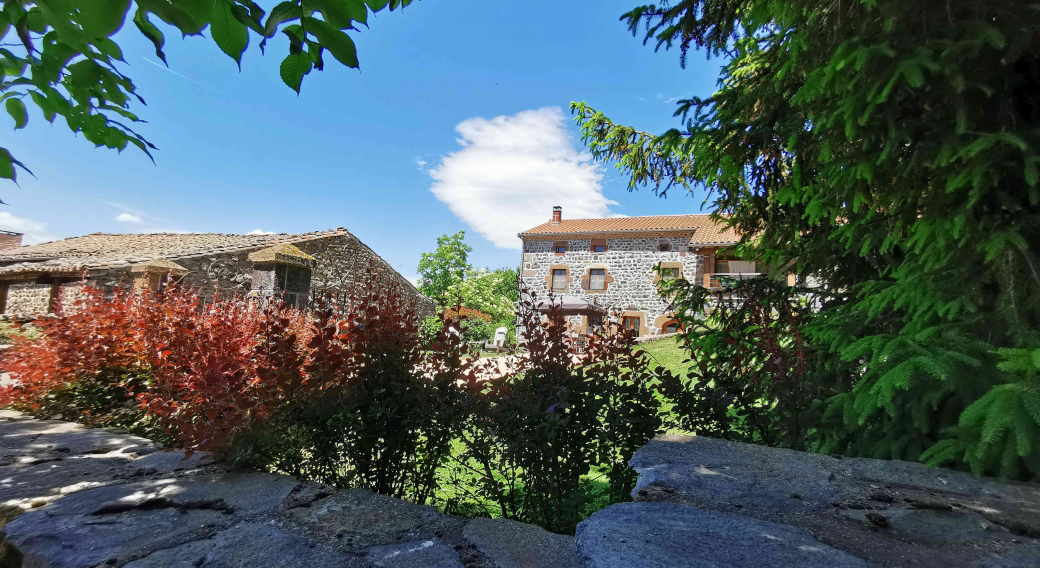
pixel 751 377
pixel 107 401
pixel 535 435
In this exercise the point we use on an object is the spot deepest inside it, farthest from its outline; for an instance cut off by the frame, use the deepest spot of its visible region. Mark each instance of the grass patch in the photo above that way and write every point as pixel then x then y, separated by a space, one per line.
pixel 669 354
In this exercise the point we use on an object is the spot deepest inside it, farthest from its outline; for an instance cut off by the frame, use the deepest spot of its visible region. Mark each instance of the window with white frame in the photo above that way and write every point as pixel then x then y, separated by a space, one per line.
pixel 559 279
pixel 597 279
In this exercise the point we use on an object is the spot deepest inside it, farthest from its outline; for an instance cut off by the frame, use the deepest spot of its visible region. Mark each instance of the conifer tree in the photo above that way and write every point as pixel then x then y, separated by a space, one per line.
pixel 888 152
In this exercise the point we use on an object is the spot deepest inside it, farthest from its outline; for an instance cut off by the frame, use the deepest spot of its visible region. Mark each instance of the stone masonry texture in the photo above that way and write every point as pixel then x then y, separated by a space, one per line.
pixel 215 263
pixel 74 497
pixel 28 297
pixel 630 262
pixel 343 262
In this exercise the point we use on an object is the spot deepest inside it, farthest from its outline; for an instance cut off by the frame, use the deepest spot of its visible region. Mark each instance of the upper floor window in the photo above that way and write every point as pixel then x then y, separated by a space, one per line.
pixel 599 245
pixel 664 247
pixel 597 279
pixel 559 279
pixel 560 247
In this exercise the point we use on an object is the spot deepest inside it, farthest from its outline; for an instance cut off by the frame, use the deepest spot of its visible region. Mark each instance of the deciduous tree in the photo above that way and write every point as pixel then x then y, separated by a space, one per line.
pixel 445 265
pixel 60 55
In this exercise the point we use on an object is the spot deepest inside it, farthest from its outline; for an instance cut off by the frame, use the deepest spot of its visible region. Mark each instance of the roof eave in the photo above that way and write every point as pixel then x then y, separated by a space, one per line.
pixel 26 258
pixel 610 231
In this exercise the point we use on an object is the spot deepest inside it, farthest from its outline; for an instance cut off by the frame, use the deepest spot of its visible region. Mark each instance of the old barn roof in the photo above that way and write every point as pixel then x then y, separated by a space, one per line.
pixel 107 250
pixel 284 253
pixel 157 266
pixel 702 228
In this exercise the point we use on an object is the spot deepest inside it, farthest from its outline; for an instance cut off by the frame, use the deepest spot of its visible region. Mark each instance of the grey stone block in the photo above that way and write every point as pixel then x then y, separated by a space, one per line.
pixel 30 436
pixel 510 544
pixel 669 535
pixel 739 474
pixel 247 545
pixel 1022 556
pixel 169 461
pixel 121 522
pixel 358 519
pixel 414 554
pixel 892 513
pixel 43 460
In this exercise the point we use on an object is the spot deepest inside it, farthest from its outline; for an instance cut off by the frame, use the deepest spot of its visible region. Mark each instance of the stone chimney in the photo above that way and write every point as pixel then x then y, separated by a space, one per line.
pixel 10 240
pixel 557 215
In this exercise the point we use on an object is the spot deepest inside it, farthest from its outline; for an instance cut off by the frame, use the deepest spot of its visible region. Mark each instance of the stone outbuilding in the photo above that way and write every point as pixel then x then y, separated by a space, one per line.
pixel 611 262
pixel 36 278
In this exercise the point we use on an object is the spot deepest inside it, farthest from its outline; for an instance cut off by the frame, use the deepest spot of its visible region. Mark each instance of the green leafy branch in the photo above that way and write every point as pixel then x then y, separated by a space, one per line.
pixel 60 54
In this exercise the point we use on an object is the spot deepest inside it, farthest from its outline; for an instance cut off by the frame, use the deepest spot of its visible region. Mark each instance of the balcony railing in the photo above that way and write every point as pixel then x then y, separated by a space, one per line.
pixel 717 279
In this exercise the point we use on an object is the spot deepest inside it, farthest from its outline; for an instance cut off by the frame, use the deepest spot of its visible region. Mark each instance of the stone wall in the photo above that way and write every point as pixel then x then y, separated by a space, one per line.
pixel 70 293
pixel 630 262
pixel 81 498
pixel 706 502
pixel 28 297
pixel 342 263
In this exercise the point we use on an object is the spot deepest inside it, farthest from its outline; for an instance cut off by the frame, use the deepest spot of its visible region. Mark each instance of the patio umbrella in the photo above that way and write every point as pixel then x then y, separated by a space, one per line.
pixel 569 306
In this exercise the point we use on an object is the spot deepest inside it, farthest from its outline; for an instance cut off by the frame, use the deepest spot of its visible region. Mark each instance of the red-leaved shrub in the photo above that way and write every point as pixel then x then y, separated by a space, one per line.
pixel 348 392
pixel 103 334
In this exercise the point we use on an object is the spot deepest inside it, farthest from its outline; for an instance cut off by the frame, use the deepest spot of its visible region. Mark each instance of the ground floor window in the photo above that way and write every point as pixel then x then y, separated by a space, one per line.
pixel 671 327
pixel 631 323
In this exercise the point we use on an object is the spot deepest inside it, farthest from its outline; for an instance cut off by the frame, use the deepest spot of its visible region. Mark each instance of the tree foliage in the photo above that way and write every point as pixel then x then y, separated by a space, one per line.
pixel 444 266
pixel 751 378
pixel 486 291
pixel 887 152
pixel 60 55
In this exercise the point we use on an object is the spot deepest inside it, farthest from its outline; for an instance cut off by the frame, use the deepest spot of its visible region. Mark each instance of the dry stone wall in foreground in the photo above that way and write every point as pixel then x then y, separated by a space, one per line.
pixel 74 497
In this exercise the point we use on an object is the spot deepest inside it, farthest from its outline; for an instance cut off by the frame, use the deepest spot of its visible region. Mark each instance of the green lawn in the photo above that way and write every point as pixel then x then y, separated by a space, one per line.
pixel 668 353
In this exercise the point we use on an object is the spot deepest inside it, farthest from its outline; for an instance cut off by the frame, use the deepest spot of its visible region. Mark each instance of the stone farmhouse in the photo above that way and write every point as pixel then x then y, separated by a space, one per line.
pixel 33 279
pixel 611 262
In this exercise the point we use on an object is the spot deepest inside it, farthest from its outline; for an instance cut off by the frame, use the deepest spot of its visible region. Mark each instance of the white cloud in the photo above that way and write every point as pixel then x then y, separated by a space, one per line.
pixel 421 164
pixel 259 232
pixel 129 218
pixel 33 231
pixel 512 170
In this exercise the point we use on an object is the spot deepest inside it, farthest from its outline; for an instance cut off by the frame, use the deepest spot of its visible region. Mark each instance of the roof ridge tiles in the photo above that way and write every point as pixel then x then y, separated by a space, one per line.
pixel 108 249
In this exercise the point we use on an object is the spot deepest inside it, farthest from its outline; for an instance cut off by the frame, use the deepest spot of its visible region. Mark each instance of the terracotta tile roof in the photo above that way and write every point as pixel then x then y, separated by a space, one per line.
pixel 703 229
pixel 103 250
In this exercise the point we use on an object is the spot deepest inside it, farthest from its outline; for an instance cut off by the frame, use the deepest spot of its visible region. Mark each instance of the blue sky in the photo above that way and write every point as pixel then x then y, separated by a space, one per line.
pixel 457 120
